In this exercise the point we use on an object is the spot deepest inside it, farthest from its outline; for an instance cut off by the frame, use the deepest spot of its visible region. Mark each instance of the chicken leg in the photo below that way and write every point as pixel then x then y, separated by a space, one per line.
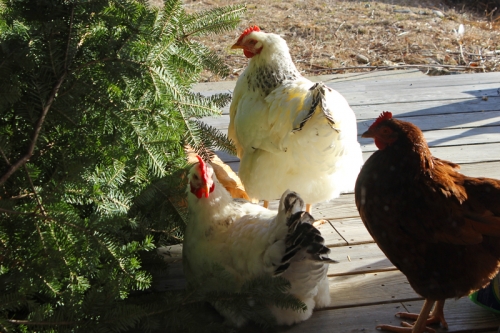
pixel 436 315
pixel 419 326
pixel 318 222
pixel 265 204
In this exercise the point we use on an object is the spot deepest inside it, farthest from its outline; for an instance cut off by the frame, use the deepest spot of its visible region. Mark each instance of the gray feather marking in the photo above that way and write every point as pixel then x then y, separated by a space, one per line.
pixel 302 236
pixel 318 98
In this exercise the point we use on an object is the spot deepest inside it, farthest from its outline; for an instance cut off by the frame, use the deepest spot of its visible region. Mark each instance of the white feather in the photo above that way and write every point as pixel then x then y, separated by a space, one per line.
pixel 318 162
pixel 248 241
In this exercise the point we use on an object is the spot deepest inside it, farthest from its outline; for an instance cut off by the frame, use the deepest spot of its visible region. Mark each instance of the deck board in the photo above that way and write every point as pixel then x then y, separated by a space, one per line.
pixel 460 125
pixel 369 289
pixel 462 316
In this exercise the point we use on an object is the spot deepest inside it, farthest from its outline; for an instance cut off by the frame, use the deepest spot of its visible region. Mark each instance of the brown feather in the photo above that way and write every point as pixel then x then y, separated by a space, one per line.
pixel 439 227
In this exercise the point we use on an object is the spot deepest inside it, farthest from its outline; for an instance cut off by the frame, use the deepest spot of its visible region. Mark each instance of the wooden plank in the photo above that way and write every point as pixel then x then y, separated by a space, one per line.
pixel 451 137
pixel 343 215
pixel 418 108
pixel 362 77
pixel 488 169
pixel 425 122
pixel 370 108
pixel 352 230
pixel 345 206
pixel 369 289
pixel 357 259
pixel 328 232
pixel 409 84
pixel 435 138
pixel 390 76
pixel 397 95
pixel 381 83
pixel 463 316
pixel 447 121
pixel 348 320
pixel 375 81
pixel 331 236
pixel 459 151
pixel 469 153
pixel 341 207
pixel 463 154
pixel 173 278
pixel 476 169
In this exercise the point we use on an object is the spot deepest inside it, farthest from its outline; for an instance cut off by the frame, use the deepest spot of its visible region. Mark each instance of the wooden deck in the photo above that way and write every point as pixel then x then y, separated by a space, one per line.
pixel 460 116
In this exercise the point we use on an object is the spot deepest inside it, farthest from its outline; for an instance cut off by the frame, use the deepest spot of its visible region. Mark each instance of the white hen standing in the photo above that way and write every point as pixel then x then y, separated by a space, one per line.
pixel 289 132
pixel 248 241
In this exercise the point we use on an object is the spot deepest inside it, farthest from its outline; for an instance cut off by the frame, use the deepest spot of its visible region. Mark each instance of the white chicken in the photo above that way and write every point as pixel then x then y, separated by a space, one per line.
pixel 289 132
pixel 248 241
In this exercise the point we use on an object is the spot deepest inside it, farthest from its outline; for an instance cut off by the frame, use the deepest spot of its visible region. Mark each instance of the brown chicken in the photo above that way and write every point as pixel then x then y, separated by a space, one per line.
pixel 439 227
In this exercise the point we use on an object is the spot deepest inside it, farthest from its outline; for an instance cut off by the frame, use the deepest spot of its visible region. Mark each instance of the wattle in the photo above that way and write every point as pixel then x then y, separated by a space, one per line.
pixel 380 145
pixel 248 54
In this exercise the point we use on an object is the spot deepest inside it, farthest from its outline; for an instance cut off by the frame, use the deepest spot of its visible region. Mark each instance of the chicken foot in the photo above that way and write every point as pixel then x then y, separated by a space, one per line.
pixel 419 326
pixel 318 222
pixel 436 315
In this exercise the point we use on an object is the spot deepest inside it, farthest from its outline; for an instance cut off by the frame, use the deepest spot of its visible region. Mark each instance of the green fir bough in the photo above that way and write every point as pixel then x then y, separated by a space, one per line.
pixel 95 110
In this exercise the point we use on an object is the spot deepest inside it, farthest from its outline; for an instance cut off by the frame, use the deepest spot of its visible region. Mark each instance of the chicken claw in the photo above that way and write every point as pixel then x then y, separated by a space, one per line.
pixel 408 328
pixel 419 326
pixel 318 223
pixel 436 316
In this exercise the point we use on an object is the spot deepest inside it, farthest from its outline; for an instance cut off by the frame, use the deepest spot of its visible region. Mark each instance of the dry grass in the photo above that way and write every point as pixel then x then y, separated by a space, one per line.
pixel 336 36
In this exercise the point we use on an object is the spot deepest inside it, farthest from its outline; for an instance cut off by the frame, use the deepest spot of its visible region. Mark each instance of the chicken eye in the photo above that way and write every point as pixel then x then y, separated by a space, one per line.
pixel 386 130
pixel 195 177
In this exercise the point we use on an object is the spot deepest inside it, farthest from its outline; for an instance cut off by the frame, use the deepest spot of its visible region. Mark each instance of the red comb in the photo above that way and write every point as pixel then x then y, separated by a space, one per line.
pixel 203 168
pixel 247 31
pixel 383 116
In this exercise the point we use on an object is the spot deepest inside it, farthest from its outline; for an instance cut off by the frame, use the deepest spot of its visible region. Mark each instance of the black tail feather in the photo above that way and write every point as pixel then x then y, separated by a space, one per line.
pixel 302 235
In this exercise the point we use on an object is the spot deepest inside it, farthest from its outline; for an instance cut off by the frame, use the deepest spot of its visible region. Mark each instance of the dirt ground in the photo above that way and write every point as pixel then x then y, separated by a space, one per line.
pixel 339 36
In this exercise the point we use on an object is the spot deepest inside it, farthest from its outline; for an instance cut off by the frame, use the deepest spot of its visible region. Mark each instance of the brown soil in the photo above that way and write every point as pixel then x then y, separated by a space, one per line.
pixel 337 36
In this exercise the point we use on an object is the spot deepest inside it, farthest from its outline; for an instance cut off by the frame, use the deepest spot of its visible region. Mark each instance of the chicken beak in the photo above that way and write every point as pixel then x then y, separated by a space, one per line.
pixel 236 46
pixel 367 134
pixel 206 190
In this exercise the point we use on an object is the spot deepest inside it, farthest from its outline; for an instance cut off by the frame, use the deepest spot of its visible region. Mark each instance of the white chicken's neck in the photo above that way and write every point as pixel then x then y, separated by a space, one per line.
pixel 271 67
pixel 210 210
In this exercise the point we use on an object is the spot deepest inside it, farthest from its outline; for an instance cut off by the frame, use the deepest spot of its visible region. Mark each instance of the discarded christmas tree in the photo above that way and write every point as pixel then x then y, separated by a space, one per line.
pixel 95 107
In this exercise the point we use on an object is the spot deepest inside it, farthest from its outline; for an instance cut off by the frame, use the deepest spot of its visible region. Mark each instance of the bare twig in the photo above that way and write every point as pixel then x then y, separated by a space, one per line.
pixel 340 26
pixel 8 211
pixel 4 156
pixel 462 52
pixel 41 323
pixel 34 137
pixel 37 197
pixel 395 67
pixel 69 38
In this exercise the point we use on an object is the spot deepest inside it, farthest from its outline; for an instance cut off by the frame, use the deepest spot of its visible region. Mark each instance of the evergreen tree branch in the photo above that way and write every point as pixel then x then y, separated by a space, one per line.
pixel 96 103
pixel 37 197
pixel 238 10
pixel 6 159
pixel 70 30
pixel 34 138
pixel 41 323
pixel 8 211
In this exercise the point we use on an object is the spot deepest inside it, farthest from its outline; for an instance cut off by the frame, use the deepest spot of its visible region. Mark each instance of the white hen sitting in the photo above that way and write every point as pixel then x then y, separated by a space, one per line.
pixel 289 132
pixel 248 241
